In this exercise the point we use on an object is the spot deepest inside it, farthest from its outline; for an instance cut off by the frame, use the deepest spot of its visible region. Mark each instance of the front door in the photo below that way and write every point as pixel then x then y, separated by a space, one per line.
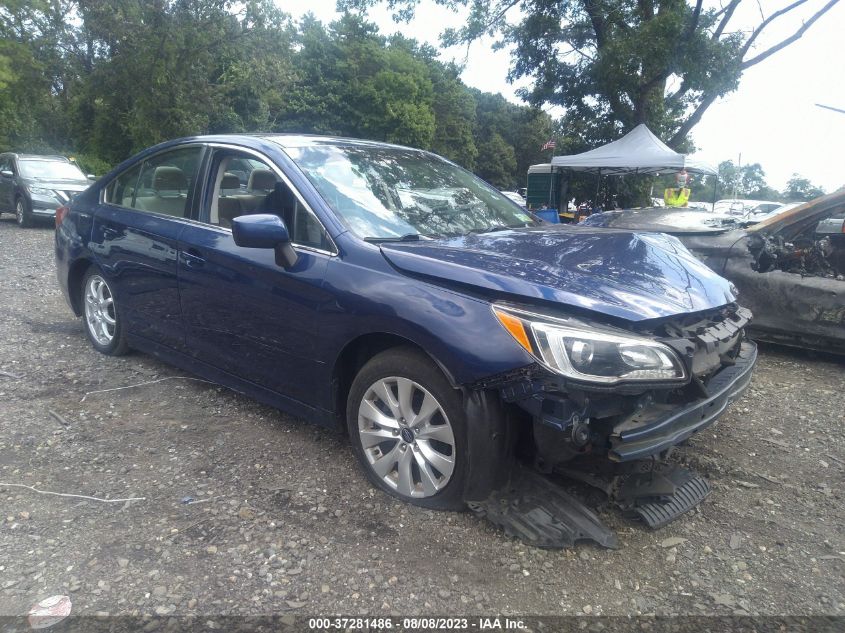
pixel 244 314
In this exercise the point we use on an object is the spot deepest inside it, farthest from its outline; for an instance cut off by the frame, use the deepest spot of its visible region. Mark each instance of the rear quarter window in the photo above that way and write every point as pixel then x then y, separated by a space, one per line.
pixel 121 191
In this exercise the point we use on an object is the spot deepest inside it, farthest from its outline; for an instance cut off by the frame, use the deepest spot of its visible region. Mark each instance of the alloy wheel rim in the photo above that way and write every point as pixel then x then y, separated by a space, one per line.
pixel 99 310
pixel 19 212
pixel 407 437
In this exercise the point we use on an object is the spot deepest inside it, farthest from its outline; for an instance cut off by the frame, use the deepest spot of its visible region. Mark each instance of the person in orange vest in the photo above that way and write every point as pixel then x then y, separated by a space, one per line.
pixel 678 196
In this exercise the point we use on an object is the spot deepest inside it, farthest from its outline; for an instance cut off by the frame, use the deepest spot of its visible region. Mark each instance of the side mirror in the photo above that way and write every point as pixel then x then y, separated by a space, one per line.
pixel 264 230
pixel 6 173
pixel 91 177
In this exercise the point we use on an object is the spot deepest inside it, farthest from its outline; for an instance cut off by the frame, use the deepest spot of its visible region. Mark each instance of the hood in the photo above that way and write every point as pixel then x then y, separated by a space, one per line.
pixel 632 276
pixel 666 220
pixel 57 184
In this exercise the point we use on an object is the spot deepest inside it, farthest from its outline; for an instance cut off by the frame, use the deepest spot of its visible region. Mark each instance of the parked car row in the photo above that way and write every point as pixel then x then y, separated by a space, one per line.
pixel 34 186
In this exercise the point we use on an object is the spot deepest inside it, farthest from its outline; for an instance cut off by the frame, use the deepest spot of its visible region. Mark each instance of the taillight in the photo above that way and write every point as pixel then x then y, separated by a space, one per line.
pixel 61 212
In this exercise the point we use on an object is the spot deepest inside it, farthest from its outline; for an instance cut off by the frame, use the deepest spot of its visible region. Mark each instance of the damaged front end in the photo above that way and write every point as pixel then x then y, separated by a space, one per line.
pixel 652 386
pixel 805 256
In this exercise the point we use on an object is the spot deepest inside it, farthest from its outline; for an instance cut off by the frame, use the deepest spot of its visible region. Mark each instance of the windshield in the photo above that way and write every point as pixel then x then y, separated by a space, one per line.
pixel 395 193
pixel 50 169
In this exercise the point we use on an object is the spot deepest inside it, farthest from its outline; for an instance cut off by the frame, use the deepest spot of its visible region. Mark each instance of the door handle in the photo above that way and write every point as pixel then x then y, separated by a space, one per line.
pixel 193 258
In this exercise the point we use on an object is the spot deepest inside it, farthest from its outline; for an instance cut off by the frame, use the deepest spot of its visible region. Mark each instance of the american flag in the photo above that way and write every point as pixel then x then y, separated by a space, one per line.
pixel 550 144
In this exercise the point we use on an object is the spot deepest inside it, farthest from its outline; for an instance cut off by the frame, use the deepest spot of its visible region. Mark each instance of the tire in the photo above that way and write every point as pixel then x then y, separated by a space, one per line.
pixel 101 315
pixel 23 214
pixel 382 427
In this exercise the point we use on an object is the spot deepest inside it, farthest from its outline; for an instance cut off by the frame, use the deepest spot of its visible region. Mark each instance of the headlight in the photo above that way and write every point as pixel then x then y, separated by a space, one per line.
pixel 581 353
pixel 40 191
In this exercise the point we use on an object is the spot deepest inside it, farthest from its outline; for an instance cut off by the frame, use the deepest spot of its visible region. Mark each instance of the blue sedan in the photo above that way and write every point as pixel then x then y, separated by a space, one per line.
pixel 389 293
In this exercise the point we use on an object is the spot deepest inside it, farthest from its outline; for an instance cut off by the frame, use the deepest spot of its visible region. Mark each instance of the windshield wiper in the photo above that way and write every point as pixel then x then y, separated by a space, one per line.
pixel 408 237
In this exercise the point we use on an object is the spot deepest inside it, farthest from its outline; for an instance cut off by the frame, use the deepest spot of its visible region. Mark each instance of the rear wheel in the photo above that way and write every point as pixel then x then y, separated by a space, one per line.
pixel 23 214
pixel 103 323
pixel 407 428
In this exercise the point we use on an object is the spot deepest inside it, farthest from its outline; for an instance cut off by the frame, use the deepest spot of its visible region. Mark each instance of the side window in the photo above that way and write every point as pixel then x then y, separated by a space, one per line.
pixel 244 185
pixel 161 184
pixel 121 190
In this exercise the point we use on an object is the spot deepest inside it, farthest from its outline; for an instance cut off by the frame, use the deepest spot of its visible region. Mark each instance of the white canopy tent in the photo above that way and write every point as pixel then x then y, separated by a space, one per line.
pixel 638 152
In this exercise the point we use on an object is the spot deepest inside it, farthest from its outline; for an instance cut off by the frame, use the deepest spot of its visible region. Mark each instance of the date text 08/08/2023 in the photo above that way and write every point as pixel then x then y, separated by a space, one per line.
pixel 493 623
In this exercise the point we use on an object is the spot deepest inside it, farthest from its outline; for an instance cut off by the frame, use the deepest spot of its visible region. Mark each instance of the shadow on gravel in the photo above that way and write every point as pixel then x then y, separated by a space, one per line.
pixel 800 354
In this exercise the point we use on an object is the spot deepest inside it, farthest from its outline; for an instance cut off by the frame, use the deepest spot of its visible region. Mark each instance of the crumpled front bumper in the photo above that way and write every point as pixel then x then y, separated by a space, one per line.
pixel 677 424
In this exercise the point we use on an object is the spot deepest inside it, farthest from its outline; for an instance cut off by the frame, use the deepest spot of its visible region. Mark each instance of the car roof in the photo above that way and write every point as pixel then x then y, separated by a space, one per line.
pixel 293 140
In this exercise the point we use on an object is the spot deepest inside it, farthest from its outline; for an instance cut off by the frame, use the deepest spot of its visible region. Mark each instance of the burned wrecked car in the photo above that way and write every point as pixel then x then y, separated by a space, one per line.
pixel 789 269
pixel 467 348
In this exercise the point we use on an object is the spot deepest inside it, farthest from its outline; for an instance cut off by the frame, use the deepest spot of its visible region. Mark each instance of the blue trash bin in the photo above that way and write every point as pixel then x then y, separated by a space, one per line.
pixel 549 215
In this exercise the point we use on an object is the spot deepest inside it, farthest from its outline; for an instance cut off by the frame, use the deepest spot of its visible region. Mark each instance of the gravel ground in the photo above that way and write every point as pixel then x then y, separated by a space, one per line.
pixel 283 520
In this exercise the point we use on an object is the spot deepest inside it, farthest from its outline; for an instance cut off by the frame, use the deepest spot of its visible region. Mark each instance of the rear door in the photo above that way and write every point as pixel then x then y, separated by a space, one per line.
pixel 244 314
pixel 135 239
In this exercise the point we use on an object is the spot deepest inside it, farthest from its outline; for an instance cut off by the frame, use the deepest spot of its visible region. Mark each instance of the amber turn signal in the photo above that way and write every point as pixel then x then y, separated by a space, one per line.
pixel 514 325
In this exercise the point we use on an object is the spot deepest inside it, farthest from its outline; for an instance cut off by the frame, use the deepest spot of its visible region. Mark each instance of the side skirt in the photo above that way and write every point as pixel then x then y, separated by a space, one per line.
pixel 225 379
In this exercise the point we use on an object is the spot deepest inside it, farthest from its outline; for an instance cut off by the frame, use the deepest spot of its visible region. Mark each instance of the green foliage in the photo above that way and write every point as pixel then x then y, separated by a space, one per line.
pixel 102 79
pixel 496 161
pixel 613 64
pixel 747 181
pixel 523 130
pixel 799 189
pixel 90 164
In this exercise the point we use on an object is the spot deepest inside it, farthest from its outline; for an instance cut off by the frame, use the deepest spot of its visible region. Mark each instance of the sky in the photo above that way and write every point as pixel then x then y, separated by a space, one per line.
pixel 771 119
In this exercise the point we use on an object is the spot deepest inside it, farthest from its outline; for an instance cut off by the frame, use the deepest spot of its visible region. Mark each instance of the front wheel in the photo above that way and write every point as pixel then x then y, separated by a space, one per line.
pixel 103 323
pixel 407 428
pixel 23 215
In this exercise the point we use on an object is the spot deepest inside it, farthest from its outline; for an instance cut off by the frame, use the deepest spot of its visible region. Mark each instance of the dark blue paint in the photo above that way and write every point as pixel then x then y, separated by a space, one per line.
pixel 259 231
pixel 616 273
pixel 139 252
pixel 246 315
pixel 194 298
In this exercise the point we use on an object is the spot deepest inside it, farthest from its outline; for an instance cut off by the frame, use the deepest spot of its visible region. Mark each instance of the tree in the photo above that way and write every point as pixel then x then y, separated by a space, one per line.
pixel 616 63
pixel 454 117
pixel 525 130
pixel 496 162
pixel 747 181
pixel 101 79
pixel 799 189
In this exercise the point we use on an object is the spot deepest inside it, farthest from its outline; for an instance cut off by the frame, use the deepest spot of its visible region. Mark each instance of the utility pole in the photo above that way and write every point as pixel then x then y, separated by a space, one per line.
pixel 827 107
pixel 738 174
